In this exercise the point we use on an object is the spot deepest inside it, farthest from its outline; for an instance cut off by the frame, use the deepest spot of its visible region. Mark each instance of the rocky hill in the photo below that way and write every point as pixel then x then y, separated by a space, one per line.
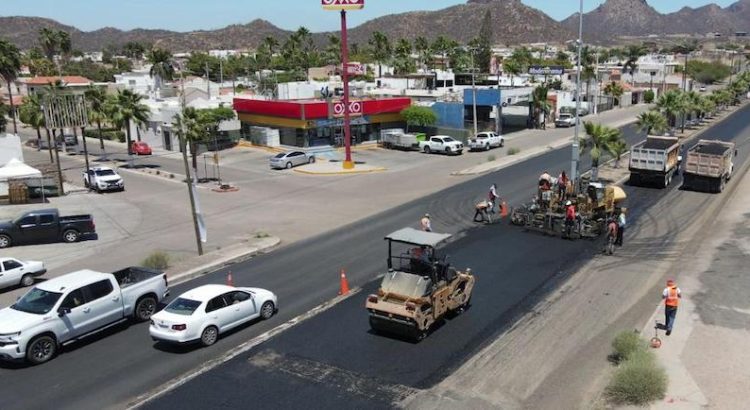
pixel 617 18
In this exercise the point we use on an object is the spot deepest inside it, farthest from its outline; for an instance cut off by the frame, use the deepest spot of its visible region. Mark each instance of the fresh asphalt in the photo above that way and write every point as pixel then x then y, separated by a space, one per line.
pixel 333 359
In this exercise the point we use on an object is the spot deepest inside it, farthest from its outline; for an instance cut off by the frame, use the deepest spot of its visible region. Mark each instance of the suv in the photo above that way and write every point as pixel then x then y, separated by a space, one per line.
pixel 565 120
pixel 485 141
pixel 103 179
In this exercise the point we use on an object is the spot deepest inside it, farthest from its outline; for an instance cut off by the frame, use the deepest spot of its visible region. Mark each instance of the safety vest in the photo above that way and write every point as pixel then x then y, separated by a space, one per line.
pixel 570 213
pixel 673 298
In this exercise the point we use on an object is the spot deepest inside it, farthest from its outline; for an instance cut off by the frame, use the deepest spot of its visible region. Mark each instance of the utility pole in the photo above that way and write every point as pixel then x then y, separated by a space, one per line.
pixel 208 81
pixel 598 86
pixel 498 118
pixel 684 86
pixel 575 154
pixel 188 177
pixel 348 163
pixel 474 92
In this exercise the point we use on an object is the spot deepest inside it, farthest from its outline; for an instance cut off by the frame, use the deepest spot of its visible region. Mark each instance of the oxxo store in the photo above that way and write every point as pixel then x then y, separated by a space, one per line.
pixel 310 123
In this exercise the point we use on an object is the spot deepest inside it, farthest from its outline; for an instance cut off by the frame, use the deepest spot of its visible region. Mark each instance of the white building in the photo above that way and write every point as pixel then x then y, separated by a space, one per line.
pixel 138 81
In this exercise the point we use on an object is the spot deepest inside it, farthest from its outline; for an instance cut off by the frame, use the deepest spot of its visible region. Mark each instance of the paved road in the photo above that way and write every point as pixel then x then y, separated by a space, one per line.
pixel 334 360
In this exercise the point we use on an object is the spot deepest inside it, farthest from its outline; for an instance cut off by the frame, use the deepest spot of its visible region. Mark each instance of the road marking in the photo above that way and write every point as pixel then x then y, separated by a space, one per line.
pixel 236 351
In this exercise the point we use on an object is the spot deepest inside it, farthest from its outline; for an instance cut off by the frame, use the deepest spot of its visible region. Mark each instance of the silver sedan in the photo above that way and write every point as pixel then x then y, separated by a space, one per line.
pixel 291 159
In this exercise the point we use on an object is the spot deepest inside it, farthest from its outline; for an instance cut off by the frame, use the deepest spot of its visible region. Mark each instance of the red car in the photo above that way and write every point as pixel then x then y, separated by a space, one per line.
pixel 140 148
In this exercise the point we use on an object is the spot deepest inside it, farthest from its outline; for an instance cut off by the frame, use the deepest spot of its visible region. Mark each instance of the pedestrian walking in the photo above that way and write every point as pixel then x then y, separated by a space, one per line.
pixel 622 222
pixel 671 296
pixel 426 223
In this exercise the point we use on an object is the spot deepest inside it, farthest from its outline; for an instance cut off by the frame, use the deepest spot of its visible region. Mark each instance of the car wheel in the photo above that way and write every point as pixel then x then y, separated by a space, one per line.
pixel 5 241
pixel 288 165
pixel 85 183
pixel 209 336
pixel 448 151
pixel 502 143
pixel 71 235
pixel 144 308
pixel 27 280
pixel 427 150
pixel 41 349
pixel 311 160
pixel 267 310
pixel 487 147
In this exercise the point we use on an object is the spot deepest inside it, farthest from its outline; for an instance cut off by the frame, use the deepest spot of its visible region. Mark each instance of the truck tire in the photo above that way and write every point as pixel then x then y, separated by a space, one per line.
pixel 145 307
pixel 71 235
pixel 427 150
pixel 41 349
pixel 5 241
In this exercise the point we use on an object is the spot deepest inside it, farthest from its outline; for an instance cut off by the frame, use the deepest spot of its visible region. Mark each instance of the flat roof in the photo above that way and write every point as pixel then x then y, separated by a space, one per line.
pixel 416 237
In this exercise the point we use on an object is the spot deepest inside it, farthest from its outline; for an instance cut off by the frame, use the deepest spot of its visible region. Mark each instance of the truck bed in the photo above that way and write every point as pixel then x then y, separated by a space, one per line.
pixel 659 143
pixel 130 276
pixel 711 148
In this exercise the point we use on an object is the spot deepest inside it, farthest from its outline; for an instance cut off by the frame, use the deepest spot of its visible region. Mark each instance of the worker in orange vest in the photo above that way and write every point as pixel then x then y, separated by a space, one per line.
pixel 671 296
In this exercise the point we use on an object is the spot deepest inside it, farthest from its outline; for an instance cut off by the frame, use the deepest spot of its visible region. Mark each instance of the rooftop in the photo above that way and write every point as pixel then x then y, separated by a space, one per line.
pixel 66 79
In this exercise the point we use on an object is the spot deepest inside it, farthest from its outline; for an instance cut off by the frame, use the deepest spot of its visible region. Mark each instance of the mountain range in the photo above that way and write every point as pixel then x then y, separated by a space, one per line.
pixel 513 22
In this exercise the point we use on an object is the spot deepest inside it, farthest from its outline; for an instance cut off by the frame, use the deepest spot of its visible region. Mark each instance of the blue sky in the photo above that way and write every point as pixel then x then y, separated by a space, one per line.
pixel 186 15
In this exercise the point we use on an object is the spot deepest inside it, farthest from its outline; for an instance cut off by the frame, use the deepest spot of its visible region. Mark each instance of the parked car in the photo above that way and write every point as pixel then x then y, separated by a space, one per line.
pixel 441 144
pixel 73 306
pixel 17 272
pixel 485 141
pixel 702 89
pixel 291 159
pixel 140 148
pixel 103 179
pixel 565 120
pixel 45 225
pixel 70 139
pixel 202 314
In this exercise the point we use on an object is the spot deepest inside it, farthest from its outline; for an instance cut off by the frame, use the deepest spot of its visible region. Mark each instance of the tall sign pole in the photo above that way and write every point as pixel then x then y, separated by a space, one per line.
pixel 575 154
pixel 343 6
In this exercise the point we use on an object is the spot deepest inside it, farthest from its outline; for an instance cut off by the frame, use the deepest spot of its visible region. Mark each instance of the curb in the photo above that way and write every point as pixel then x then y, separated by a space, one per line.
pixel 185 276
pixel 324 173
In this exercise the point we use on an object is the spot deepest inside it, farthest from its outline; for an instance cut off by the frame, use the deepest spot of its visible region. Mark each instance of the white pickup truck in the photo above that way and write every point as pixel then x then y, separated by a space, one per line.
pixel 17 272
pixel 70 307
pixel 441 144
pixel 103 179
pixel 484 141
pixel 565 120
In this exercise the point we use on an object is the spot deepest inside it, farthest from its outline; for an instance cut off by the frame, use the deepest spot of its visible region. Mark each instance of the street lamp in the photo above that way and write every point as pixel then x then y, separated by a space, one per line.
pixel 575 154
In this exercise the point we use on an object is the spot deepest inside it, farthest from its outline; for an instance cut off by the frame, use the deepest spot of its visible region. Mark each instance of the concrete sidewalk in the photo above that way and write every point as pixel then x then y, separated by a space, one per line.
pixel 706 355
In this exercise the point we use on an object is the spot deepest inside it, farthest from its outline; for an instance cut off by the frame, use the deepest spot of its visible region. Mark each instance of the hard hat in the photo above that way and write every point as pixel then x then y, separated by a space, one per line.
pixel 426 215
pixel 568 203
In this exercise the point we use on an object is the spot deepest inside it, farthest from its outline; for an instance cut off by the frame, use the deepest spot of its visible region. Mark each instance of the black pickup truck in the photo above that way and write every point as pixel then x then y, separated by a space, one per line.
pixel 45 225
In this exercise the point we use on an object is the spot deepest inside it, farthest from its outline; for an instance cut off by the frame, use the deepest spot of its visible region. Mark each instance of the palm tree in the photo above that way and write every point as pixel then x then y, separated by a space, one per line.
pixel 162 67
pixel 98 111
pixel 670 104
pixel 615 90
pixel 540 103
pixel 422 48
pixel 10 65
pixel 652 122
pixel 618 149
pixel 48 41
pixel 128 109
pixel 31 114
pixel 381 50
pixel 333 50
pixel 600 139
pixel 632 53
pixel 513 67
pixel 442 46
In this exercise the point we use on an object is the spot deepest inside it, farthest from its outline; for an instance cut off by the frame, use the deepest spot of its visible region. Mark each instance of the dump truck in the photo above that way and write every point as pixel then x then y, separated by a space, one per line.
pixel 420 287
pixel 709 165
pixel 654 161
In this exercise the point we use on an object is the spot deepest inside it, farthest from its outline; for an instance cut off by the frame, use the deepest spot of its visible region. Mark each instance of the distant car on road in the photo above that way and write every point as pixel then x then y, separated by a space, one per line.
pixel 140 148
pixel 45 225
pixel 485 141
pixel 702 89
pixel 291 159
pixel 17 272
pixel 202 314
pixel 565 120
pixel 103 179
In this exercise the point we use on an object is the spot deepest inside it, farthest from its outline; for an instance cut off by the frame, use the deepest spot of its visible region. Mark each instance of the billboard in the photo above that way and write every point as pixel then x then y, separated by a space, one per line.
pixel 546 70
pixel 342 4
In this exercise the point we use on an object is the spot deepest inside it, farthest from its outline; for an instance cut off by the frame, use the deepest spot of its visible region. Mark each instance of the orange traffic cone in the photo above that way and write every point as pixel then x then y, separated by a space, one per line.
pixel 230 280
pixel 344 284
pixel 503 210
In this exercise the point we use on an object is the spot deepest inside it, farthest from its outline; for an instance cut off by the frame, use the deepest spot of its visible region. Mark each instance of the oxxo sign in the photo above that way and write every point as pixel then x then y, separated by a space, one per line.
pixel 355 108
pixel 343 4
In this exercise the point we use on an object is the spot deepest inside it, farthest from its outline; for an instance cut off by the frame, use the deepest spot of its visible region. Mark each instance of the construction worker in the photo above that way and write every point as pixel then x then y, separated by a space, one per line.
pixel 570 217
pixel 545 177
pixel 621 224
pixel 426 223
pixel 492 197
pixel 671 296
pixel 562 185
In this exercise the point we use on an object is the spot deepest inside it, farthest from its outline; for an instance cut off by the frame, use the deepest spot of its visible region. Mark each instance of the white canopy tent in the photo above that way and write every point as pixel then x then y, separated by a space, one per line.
pixel 16 169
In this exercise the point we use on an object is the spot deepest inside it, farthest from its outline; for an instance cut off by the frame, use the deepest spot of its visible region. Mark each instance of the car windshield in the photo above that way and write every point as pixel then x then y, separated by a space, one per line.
pixel 37 301
pixel 182 306
pixel 105 173
pixel 482 136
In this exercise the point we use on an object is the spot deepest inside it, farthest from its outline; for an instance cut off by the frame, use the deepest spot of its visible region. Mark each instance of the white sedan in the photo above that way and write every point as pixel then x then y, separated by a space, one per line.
pixel 16 272
pixel 202 314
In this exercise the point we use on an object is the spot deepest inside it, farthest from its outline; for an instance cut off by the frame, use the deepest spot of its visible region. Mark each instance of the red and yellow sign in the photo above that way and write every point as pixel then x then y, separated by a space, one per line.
pixel 342 4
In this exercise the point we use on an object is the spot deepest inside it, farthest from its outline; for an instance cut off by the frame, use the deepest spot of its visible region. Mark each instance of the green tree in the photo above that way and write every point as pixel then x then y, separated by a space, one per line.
pixel 416 116
pixel 540 104
pixel 632 53
pixel 381 50
pixel 10 65
pixel 707 72
pixel 422 48
pixel 200 125
pixel 98 111
pixel 443 46
pixel 30 113
pixel 652 123
pixel 513 68
pixel 134 50
pixel 55 42
pixel 127 109
pixel 332 53
pixel 486 35
pixel 671 104
pixel 618 149
pixel 3 120
pixel 648 96
pixel 162 66
pixel 615 90
pixel 198 63
pixel 599 139
pixel 403 62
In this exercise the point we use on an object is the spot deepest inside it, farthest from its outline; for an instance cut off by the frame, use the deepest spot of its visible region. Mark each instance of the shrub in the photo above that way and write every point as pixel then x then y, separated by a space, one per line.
pixel 513 151
pixel 625 344
pixel 639 380
pixel 158 260
pixel 648 96
pixel 490 158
